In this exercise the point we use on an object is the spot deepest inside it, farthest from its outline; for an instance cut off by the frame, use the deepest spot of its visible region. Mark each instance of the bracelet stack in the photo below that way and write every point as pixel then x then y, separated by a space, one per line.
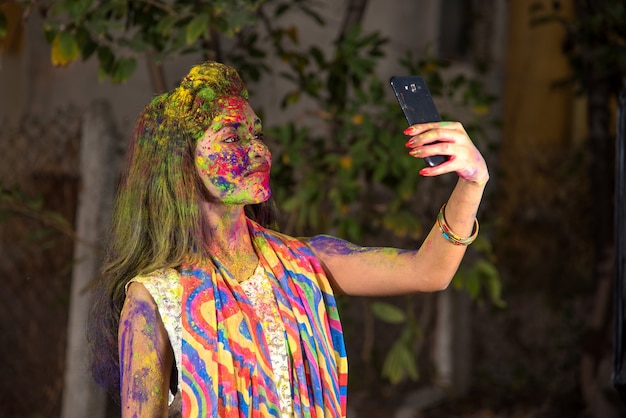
pixel 451 236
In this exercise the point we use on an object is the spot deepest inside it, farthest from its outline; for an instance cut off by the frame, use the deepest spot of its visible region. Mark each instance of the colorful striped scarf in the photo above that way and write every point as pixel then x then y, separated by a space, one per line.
pixel 226 366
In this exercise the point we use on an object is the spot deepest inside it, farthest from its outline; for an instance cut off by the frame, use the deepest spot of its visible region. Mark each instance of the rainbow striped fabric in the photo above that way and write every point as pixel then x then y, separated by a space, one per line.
pixel 226 366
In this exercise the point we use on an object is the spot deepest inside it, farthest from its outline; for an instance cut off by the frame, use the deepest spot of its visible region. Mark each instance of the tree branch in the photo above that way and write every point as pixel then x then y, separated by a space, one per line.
pixel 157 74
pixel 355 10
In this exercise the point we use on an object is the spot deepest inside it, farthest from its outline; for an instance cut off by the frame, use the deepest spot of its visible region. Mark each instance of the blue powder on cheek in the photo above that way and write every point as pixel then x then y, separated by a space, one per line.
pixel 224 186
pixel 240 162
pixel 233 159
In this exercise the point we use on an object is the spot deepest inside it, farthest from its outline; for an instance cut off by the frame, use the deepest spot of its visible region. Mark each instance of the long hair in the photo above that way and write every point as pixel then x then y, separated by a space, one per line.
pixel 156 220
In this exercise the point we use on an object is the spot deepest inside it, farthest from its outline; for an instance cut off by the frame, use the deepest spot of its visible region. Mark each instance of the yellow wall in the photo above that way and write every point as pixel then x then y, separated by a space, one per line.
pixel 536 113
pixel 13 41
pixel 543 176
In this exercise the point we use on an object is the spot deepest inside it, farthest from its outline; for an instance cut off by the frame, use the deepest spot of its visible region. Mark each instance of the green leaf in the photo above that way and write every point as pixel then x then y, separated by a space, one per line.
pixel 290 98
pixel 123 69
pixel 76 9
pixel 399 363
pixel 106 59
pixel 38 235
pixel 318 56
pixel 491 279
pixel 388 312
pixel 458 280
pixel 407 361
pixel 102 74
pixel 482 245
pixel 281 9
pixel 237 19
pixel 58 219
pixel 391 367
pixel 313 15
pixel 85 44
pixel 472 283
pixel 117 9
pixel 64 49
pixel 166 25
pixel 196 27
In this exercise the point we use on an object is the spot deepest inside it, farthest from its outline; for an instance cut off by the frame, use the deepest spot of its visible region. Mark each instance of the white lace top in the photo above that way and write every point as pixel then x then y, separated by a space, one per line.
pixel 165 288
pixel 261 295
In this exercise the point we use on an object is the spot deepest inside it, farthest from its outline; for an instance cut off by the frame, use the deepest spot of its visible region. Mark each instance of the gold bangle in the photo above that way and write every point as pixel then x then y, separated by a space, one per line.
pixel 451 236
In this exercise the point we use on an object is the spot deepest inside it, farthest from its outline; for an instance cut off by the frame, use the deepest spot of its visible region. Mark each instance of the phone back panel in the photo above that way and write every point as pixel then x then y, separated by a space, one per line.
pixel 415 99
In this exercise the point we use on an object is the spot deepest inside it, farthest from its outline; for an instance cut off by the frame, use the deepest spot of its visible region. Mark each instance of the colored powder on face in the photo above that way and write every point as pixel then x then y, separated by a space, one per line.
pixel 229 149
pixel 222 185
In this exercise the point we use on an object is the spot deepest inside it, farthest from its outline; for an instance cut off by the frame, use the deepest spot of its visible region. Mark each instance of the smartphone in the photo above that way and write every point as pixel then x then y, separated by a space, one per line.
pixel 417 106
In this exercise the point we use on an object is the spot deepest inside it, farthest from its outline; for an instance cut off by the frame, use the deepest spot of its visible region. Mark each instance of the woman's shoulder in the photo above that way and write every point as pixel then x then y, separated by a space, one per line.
pixel 164 282
pixel 290 241
pixel 159 275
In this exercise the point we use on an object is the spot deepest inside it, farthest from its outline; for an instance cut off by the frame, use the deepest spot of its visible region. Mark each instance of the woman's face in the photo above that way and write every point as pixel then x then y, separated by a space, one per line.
pixel 231 158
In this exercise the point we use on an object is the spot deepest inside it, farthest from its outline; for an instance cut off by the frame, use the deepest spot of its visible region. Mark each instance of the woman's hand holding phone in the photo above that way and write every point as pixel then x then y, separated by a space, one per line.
pixel 444 146
pixel 417 106
pixel 451 140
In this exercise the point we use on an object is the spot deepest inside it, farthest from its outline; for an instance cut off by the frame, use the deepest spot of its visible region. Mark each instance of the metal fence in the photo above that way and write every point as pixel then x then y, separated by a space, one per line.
pixel 39 181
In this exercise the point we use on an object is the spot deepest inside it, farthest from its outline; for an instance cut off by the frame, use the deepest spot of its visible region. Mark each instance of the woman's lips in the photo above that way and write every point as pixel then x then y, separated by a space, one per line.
pixel 261 168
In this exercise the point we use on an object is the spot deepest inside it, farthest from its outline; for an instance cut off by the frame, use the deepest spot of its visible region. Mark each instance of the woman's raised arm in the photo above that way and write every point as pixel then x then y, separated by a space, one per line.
pixel 386 271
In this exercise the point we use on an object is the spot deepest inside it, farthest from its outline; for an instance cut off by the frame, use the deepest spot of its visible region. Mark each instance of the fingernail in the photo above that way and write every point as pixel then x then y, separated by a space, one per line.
pixel 408 131
pixel 409 143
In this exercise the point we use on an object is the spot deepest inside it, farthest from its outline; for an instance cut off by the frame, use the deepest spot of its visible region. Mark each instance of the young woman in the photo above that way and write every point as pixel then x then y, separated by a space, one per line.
pixel 201 300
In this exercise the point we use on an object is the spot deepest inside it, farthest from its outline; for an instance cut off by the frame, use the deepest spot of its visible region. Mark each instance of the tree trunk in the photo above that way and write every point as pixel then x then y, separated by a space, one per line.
pixel 355 10
pixel 453 342
pixel 596 356
pixel 619 335
pixel 157 75
pixel 81 397
pixel 595 369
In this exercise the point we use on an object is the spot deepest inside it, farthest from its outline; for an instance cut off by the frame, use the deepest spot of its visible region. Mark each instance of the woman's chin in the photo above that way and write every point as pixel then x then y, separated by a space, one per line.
pixel 260 197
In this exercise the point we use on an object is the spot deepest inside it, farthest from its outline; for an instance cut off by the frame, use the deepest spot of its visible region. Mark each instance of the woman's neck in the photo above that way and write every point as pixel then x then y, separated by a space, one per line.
pixel 229 239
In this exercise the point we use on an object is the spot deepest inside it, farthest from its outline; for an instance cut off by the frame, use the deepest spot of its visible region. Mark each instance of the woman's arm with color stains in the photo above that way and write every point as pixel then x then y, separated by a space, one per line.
pixel 145 356
pixel 384 271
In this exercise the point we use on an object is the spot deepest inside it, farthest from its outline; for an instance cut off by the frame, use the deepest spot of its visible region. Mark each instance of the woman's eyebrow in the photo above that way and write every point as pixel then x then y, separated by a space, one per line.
pixel 236 125
pixel 232 125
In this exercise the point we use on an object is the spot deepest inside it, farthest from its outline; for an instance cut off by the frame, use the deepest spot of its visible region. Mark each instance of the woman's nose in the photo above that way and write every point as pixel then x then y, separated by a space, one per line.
pixel 257 149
